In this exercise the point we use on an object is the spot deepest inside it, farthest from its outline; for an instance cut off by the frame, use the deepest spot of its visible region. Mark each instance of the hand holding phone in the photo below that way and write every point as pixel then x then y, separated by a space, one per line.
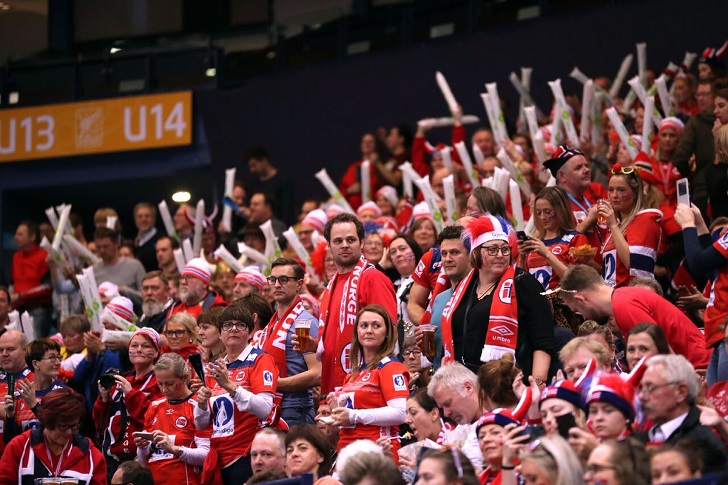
pixel 565 422
pixel 143 435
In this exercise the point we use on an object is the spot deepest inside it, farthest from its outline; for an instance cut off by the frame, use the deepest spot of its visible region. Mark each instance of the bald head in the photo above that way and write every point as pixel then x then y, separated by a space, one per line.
pixel 12 351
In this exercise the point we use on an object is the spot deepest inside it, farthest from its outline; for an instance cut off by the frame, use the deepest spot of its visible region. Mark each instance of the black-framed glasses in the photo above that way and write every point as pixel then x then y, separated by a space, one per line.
pixel 494 250
pixel 175 333
pixel 240 326
pixel 594 468
pixel 66 427
pixel 650 388
pixel 283 280
pixel 52 358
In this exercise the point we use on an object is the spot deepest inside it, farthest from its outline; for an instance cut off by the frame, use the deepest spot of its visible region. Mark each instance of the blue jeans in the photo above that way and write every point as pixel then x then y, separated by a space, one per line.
pixel 718 367
pixel 298 415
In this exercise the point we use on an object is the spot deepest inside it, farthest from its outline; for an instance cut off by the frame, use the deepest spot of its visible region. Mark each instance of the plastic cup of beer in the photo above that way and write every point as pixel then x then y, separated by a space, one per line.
pixel 428 340
pixel 601 219
pixel 303 332
pixel 69 481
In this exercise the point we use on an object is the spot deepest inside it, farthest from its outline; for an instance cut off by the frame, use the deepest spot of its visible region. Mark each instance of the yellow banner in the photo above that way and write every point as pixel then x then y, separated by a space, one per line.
pixel 129 123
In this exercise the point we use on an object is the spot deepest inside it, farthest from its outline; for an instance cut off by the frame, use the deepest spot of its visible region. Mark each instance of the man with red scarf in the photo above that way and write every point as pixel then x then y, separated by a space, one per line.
pixel 355 285
pixel 299 372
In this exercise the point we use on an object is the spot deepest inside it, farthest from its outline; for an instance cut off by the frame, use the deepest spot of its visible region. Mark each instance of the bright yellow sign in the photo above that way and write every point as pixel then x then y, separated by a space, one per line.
pixel 129 123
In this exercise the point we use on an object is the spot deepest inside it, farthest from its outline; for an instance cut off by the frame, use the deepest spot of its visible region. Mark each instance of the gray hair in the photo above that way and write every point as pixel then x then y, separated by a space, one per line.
pixel 453 376
pixel 676 368
pixel 279 435
pixel 173 362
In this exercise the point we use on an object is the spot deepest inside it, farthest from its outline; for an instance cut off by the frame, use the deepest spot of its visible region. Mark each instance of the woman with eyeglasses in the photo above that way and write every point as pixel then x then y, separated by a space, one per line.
pixel 498 308
pixel 238 393
pixel 630 247
pixel 182 335
pixel 371 403
pixel 54 449
pixel 448 467
pixel 122 402
pixel 176 451
pixel 43 356
pixel 615 462
pixel 419 376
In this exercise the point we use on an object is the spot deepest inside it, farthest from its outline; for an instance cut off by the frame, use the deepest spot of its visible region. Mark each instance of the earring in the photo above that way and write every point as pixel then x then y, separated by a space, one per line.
pixel 190 340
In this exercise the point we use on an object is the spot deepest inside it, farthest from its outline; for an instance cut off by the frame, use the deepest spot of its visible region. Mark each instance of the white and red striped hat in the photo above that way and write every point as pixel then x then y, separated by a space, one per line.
pixel 252 276
pixel 486 228
pixel 109 290
pixel 673 123
pixel 422 210
pixel 369 207
pixel 198 268
pixel 389 193
pixel 149 333
pixel 119 312
pixel 317 219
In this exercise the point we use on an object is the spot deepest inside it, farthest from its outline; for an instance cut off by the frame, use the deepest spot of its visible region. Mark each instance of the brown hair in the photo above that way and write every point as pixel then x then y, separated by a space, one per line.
pixel 317 439
pixel 496 382
pixel 387 347
pixel 656 334
pixel 37 349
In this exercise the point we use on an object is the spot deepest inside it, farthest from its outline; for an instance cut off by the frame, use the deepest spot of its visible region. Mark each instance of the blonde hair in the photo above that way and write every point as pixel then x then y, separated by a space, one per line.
pixel 188 322
pixel 173 362
pixel 721 144
pixel 554 456
pixel 602 355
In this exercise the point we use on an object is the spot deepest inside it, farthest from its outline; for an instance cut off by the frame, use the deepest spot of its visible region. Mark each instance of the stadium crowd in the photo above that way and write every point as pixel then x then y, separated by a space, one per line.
pixel 551 312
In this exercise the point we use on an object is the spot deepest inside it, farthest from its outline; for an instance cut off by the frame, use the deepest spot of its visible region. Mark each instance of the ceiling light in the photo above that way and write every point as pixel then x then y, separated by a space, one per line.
pixel 181 196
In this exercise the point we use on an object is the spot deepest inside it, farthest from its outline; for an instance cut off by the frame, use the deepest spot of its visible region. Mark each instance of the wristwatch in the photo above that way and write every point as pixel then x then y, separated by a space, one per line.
pixel 538 381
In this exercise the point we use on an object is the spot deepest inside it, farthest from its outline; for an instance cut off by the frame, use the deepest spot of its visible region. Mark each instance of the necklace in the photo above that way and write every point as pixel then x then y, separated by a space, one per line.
pixel 485 292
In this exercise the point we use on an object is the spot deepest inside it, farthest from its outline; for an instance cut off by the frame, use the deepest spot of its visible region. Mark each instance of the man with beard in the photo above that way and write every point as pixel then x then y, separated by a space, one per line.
pixel 156 302
pixel 194 292
pixel 355 285
pixel 584 290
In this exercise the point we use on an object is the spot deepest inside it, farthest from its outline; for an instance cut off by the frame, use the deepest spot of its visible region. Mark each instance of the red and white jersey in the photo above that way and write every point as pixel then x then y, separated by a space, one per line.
pixel 371 390
pixel 580 208
pixel 643 235
pixel 717 308
pixel 539 267
pixel 233 430
pixel 176 419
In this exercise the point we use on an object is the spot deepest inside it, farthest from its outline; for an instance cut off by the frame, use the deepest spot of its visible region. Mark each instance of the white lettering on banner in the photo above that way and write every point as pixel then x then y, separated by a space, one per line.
pixel 280 339
pixel 349 294
pixel 174 122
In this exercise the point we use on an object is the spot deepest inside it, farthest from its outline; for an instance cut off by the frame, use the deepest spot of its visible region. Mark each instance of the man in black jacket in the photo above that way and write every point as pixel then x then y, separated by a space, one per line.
pixel 667 391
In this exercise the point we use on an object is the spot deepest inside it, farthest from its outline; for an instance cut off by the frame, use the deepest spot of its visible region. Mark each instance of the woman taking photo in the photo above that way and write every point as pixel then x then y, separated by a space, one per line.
pixel 177 450
pixel 308 451
pixel 371 403
pixel 120 407
pixel 239 392
pixel 546 256
pixel 182 335
pixel 498 308
pixel 630 247
pixel 56 445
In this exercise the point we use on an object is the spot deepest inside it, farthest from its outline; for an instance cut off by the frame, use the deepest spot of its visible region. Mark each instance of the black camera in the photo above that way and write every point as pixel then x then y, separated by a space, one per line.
pixel 107 378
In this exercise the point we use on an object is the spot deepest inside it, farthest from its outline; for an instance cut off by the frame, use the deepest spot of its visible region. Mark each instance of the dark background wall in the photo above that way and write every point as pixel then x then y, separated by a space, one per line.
pixel 313 117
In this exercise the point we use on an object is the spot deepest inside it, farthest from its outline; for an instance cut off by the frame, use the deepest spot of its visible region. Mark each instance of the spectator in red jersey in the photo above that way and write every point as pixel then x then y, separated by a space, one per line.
pixel 55 449
pixel 583 289
pixel 176 451
pixel 630 247
pixel 119 409
pixel 372 150
pixel 371 403
pixel 31 280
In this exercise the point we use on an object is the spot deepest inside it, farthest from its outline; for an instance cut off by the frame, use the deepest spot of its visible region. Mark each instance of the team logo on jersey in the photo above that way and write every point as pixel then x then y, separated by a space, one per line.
pixel 399 383
pixel 240 376
pixel 503 330
pixel 420 268
pixel 181 422
pixel 267 378
pixel 556 249
pixel 505 292
pixel 723 241
pixel 345 361
pixel 170 411
pixel 366 377
pixel 223 411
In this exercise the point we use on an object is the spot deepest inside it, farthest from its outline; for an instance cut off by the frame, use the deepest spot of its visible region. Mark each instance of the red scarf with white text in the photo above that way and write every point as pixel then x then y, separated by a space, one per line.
pixel 335 363
pixel 502 334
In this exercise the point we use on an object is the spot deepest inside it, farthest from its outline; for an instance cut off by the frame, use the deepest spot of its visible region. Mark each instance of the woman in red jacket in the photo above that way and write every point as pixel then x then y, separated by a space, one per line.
pixel 120 407
pixel 56 445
